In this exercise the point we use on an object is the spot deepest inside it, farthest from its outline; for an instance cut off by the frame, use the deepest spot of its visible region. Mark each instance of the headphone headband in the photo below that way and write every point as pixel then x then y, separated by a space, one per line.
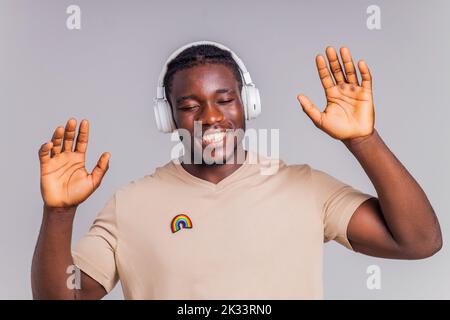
pixel 160 92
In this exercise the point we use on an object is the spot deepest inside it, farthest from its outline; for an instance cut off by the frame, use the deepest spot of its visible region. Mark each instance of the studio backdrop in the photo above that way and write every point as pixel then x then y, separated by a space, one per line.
pixel 103 66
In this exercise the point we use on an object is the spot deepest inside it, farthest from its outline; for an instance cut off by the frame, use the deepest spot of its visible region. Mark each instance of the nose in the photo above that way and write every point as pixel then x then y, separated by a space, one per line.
pixel 211 114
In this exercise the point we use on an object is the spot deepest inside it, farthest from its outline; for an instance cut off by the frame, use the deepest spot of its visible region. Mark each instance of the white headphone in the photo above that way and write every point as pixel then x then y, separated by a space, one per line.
pixel 250 94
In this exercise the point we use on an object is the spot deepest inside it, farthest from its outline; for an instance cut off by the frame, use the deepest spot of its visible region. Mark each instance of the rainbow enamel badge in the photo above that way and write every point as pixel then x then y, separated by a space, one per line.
pixel 179 222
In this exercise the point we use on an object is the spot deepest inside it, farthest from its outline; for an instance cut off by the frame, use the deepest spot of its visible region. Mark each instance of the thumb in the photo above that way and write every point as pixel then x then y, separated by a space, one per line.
pixel 310 109
pixel 100 169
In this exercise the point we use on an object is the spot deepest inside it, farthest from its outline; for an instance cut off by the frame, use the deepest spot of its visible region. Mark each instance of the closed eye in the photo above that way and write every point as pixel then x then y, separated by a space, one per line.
pixel 186 108
pixel 226 101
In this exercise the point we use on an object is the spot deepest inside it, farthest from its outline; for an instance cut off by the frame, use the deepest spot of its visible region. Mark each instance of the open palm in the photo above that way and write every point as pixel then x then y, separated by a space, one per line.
pixel 349 112
pixel 65 182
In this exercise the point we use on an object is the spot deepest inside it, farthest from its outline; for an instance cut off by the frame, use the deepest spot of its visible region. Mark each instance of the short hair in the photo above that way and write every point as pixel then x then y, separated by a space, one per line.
pixel 200 55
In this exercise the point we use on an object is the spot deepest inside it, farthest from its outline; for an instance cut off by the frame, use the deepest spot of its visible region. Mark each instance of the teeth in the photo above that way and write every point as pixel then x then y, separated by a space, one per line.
pixel 214 137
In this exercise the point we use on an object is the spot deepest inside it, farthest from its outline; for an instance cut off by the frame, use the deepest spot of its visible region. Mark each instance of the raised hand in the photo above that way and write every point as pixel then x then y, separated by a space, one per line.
pixel 349 112
pixel 65 182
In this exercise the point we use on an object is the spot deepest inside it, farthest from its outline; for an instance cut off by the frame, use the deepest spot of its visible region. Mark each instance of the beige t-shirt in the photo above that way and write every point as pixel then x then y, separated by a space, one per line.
pixel 251 236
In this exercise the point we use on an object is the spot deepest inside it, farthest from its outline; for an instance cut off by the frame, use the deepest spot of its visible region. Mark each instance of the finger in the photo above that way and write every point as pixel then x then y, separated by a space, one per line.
pixel 335 65
pixel 69 134
pixel 349 67
pixel 83 136
pixel 324 72
pixel 100 169
pixel 57 140
pixel 366 77
pixel 311 110
pixel 44 156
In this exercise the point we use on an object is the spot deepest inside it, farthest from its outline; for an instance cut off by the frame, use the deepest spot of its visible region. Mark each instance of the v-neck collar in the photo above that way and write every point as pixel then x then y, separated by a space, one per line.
pixel 222 183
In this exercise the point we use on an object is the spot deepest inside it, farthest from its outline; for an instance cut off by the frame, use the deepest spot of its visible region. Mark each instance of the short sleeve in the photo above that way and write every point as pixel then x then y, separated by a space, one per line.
pixel 337 202
pixel 94 254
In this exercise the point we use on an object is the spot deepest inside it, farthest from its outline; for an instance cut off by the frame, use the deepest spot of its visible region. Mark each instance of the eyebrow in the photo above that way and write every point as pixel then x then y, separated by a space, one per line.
pixel 193 96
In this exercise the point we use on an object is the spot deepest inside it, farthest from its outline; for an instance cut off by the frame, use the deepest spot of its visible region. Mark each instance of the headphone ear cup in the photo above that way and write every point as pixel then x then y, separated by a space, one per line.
pixel 157 115
pixel 252 101
pixel 244 98
pixel 163 116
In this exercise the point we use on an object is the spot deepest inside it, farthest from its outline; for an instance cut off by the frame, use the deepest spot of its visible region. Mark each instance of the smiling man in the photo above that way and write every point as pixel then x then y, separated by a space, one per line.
pixel 223 230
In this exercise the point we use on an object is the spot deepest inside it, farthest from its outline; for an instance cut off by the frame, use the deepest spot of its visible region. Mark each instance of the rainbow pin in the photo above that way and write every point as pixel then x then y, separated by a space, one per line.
pixel 180 221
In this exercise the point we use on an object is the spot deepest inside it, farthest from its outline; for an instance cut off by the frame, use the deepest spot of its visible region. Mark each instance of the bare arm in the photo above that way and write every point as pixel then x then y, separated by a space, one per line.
pixel 401 223
pixel 65 183
pixel 52 257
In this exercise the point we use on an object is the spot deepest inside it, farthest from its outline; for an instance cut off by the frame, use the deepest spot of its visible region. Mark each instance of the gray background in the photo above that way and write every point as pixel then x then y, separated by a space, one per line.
pixel 107 72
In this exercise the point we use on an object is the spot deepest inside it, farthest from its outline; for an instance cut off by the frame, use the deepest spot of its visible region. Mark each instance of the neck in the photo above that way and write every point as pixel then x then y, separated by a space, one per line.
pixel 214 172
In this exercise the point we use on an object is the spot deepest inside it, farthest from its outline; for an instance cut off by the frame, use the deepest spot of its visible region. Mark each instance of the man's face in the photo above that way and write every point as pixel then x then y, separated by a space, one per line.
pixel 208 93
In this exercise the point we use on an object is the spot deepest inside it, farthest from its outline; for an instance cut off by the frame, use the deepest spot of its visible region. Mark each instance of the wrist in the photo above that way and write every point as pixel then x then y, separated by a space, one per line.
pixel 60 212
pixel 359 141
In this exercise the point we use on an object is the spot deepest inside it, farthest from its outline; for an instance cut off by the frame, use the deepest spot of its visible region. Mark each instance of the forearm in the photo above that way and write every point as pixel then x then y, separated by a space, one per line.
pixel 409 215
pixel 53 256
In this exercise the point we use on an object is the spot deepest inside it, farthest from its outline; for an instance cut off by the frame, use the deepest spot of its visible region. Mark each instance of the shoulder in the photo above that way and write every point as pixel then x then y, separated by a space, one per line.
pixel 146 183
pixel 315 176
pixel 301 171
pixel 287 174
pixel 300 168
pixel 277 166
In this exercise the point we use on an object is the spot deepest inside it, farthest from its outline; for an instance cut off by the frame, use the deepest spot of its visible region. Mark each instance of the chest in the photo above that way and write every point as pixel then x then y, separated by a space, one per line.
pixel 222 230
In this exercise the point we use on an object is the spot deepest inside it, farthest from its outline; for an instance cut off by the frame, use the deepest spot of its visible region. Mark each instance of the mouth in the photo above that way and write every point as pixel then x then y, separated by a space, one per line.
pixel 214 137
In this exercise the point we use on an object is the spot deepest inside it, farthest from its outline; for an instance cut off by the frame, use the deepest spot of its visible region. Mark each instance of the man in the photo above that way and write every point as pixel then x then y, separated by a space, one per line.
pixel 223 230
